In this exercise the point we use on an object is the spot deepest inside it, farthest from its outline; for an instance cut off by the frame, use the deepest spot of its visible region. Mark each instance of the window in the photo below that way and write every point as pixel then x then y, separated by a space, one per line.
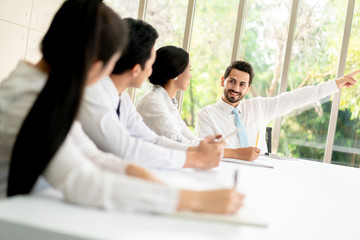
pixel 125 8
pixel 314 59
pixel 210 53
pixel 346 149
pixel 168 18
pixel 264 41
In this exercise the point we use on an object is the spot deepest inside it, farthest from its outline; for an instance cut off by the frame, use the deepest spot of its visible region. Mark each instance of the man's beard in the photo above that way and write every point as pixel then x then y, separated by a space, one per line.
pixel 232 99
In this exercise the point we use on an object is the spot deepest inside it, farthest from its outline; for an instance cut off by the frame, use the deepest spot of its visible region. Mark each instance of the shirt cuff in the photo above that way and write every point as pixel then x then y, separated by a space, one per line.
pixel 179 159
pixel 332 86
pixel 149 197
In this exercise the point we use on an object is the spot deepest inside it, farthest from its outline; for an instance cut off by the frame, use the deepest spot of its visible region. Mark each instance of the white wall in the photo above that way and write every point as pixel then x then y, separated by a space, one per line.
pixel 22 26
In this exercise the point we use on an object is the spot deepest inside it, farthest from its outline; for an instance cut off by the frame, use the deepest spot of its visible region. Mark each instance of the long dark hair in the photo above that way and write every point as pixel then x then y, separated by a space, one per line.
pixel 170 62
pixel 82 32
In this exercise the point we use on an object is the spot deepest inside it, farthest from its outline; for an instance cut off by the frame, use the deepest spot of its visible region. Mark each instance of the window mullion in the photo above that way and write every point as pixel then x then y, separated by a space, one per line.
pixel 186 43
pixel 285 70
pixel 340 72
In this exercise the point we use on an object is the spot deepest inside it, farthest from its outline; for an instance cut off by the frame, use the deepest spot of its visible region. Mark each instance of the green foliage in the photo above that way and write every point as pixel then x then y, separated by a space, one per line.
pixel 319 63
pixel 350 98
pixel 210 53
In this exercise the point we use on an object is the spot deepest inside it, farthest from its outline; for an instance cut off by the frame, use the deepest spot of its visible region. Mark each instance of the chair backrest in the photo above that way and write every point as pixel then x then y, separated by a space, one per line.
pixel 268 138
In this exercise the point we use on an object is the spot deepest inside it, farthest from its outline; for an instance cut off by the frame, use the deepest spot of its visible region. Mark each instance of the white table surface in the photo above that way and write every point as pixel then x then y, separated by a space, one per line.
pixel 299 199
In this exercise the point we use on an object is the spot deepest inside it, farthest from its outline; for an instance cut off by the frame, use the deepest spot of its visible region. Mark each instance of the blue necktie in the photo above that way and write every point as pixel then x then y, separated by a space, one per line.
pixel 118 109
pixel 242 134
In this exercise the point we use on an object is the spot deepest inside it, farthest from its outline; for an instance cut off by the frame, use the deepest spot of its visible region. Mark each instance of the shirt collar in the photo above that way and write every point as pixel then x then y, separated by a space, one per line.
pixel 111 91
pixel 170 102
pixel 227 107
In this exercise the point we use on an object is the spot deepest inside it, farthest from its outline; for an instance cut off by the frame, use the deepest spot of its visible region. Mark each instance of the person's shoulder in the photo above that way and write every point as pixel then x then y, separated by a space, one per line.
pixel 157 95
pixel 24 77
pixel 96 91
pixel 144 100
pixel 208 108
pixel 214 106
pixel 256 104
pixel 125 96
pixel 150 102
pixel 255 100
pixel 127 103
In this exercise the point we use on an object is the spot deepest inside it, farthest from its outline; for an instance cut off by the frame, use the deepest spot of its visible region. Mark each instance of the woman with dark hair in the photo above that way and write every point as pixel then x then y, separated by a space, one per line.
pixel 171 72
pixel 40 102
pixel 40 139
pixel 158 108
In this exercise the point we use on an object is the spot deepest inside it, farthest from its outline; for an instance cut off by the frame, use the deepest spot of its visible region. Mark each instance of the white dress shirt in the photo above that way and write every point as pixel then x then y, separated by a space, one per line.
pixel 127 137
pixel 84 174
pixel 160 113
pixel 256 113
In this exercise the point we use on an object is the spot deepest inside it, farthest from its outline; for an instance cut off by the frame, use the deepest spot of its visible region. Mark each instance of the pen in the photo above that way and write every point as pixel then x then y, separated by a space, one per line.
pixel 235 178
pixel 233 133
pixel 257 139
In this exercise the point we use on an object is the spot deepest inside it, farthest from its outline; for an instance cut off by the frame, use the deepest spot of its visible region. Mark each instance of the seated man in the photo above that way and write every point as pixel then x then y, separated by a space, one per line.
pixel 253 115
pixel 110 119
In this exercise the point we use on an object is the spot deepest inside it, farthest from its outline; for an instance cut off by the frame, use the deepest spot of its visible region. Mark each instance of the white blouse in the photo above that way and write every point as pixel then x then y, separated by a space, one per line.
pixel 160 113
pixel 84 174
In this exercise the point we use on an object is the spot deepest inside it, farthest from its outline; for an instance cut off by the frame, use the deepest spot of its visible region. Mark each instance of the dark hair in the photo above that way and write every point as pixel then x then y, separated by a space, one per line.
pixel 142 37
pixel 170 62
pixel 241 66
pixel 82 32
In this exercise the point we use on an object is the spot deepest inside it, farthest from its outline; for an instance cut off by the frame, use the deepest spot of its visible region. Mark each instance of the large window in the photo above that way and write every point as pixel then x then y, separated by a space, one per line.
pixel 264 42
pixel 210 53
pixel 314 59
pixel 168 18
pixel 125 8
pixel 346 150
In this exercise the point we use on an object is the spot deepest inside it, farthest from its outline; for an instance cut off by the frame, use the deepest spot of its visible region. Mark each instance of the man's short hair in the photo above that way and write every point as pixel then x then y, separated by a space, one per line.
pixel 142 37
pixel 241 66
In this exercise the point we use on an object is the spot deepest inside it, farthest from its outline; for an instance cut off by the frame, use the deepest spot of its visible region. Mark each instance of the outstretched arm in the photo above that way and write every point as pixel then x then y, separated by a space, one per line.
pixel 286 102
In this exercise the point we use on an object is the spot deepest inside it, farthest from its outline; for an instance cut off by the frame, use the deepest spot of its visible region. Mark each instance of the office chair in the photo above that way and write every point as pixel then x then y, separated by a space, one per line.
pixel 268 138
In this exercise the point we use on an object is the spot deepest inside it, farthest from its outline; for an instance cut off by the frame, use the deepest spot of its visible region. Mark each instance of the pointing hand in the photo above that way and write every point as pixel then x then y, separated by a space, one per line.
pixel 347 80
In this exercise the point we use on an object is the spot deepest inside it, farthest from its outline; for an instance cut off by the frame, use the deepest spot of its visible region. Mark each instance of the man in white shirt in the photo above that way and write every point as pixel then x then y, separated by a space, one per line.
pixel 110 119
pixel 254 114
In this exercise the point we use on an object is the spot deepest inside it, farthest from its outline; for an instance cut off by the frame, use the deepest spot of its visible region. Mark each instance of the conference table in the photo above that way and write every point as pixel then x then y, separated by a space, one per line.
pixel 297 199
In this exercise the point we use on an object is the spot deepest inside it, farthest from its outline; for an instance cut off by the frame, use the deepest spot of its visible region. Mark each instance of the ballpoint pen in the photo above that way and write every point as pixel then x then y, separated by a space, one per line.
pixel 227 136
pixel 235 178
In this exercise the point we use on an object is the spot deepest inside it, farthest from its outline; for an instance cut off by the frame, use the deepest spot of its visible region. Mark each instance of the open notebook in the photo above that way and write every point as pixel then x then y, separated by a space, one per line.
pixel 245 216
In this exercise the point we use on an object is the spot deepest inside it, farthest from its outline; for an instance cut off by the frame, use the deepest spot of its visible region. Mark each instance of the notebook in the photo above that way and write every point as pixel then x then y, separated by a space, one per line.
pixel 245 216
pixel 250 163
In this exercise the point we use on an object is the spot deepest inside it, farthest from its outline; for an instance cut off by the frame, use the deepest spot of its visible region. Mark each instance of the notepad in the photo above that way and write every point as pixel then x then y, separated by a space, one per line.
pixel 249 163
pixel 274 156
pixel 245 216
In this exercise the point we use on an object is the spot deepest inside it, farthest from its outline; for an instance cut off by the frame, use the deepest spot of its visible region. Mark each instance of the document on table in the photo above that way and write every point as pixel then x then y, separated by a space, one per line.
pixel 245 216
pixel 250 163
pixel 274 156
